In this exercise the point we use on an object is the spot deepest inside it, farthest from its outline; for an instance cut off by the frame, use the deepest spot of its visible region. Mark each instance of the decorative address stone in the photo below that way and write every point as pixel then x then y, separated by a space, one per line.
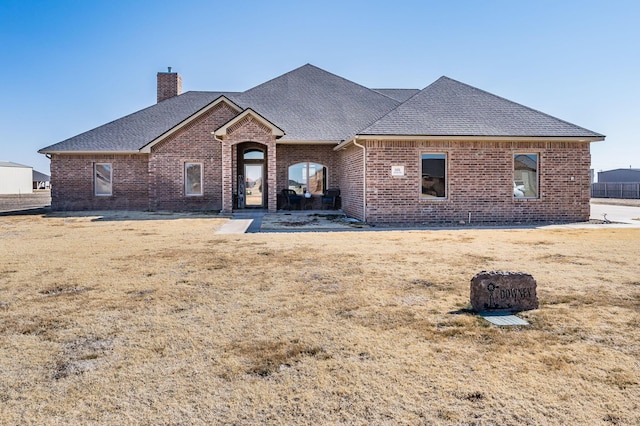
pixel 504 291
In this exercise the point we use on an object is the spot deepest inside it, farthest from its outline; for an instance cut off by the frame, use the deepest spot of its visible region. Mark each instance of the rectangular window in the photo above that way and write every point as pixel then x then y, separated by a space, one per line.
pixel 525 175
pixel 103 183
pixel 434 176
pixel 193 179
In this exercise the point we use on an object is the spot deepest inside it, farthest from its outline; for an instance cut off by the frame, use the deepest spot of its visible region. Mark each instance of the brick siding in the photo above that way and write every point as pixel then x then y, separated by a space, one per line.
pixel 192 144
pixel 351 172
pixel 479 181
pixel 169 85
pixel 72 182
pixel 247 130
pixel 479 176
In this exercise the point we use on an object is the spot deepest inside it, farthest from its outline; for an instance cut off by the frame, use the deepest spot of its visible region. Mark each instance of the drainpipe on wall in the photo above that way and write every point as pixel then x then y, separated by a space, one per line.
pixel 364 178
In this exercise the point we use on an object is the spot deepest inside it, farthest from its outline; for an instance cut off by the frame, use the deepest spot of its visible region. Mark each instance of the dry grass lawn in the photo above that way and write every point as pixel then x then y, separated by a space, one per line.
pixel 160 321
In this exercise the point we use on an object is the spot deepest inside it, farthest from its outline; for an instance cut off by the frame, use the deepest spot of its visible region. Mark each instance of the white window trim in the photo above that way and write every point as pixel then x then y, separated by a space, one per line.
pixel 446 176
pixel 184 173
pixel 95 180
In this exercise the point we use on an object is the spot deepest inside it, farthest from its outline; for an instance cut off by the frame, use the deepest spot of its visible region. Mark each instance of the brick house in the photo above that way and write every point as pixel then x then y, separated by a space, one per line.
pixel 444 154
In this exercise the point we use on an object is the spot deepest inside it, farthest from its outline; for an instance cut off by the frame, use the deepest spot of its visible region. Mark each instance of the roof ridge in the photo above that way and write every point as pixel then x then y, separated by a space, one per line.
pixel 309 65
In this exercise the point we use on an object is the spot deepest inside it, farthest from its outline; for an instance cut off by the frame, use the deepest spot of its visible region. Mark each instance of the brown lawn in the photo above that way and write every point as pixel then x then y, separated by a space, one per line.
pixel 161 321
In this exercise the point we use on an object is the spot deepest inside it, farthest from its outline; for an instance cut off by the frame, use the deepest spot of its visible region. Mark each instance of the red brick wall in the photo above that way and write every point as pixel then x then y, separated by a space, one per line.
pixel 72 182
pixel 480 182
pixel 248 129
pixel 289 155
pixel 169 85
pixel 192 144
pixel 479 176
pixel 351 179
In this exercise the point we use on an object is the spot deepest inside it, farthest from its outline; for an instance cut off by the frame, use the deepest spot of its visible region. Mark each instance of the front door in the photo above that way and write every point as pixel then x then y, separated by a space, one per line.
pixel 253 188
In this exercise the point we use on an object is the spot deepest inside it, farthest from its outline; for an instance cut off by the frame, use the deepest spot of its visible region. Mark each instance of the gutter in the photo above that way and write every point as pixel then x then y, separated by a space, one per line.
pixel 472 138
pixel 48 152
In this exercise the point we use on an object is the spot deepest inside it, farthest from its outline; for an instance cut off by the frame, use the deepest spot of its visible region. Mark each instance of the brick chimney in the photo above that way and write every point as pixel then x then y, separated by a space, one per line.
pixel 169 85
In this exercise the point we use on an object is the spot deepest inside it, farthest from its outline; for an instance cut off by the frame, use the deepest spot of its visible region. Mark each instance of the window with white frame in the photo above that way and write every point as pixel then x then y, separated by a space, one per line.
pixel 193 179
pixel 525 175
pixel 434 175
pixel 311 177
pixel 103 179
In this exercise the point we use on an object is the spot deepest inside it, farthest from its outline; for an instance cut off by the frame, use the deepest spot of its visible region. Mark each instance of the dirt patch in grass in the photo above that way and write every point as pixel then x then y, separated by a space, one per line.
pixel 163 321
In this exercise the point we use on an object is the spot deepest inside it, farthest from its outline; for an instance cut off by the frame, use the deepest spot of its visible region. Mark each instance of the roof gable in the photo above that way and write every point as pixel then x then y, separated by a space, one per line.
pixel 250 115
pixel 450 108
pixel 135 131
pixel 220 99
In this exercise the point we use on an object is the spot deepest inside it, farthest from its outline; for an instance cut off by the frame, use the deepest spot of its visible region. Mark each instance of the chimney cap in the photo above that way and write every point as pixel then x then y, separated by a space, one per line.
pixel 169 68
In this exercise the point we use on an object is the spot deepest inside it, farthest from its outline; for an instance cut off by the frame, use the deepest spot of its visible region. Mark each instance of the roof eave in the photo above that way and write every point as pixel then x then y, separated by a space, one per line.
pixel 307 142
pixel 346 143
pixel 57 152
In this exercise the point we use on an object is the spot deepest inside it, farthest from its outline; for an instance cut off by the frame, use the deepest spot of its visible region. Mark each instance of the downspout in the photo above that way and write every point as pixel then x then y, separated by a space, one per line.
pixel 364 178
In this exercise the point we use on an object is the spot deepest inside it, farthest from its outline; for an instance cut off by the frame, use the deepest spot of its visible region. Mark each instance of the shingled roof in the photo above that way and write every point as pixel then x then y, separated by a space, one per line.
pixel 134 131
pixel 312 105
pixel 450 108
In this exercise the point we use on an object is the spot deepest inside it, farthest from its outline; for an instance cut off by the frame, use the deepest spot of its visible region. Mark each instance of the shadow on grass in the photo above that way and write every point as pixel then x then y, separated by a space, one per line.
pixel 113 216
pixel 27 212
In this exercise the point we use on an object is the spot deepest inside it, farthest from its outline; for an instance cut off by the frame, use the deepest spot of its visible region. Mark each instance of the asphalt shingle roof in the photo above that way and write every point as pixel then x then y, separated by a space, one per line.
pixel 132 132
pixel 450 108
pixel 311 104
pixel 41 177
pixel 399 95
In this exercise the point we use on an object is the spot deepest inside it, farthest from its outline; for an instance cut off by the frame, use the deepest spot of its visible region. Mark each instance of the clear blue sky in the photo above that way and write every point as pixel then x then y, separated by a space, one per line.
pixel 69 66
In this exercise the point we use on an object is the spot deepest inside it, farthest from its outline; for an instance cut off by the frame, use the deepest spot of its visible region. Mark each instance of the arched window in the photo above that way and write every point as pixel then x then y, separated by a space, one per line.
pixel 310 177
pixel 254 154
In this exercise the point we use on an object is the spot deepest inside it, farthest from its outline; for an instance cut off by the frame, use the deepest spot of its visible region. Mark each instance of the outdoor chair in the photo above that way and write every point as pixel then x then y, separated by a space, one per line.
pixel 291 198
pixel 330 198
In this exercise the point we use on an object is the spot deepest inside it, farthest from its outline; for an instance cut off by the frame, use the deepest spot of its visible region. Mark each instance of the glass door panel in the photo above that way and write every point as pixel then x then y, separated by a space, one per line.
pixel 253 185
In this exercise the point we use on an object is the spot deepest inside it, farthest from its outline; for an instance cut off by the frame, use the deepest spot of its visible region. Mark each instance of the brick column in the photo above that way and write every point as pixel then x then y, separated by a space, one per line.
pixel 272 177
pixel 226 169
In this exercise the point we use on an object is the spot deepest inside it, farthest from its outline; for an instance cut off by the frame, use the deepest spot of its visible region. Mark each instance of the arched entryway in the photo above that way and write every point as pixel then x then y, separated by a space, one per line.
pixel 252 176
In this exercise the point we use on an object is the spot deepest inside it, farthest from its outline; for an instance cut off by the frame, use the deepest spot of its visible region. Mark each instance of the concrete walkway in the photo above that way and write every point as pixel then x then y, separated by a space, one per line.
pixel 616 213
pixel 243 223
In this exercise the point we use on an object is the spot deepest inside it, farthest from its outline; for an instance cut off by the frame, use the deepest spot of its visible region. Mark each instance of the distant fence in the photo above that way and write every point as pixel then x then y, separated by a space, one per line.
pixel 615 190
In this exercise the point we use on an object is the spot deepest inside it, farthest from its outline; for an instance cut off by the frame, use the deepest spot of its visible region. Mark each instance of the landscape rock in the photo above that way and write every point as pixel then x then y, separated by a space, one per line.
pixel 503 291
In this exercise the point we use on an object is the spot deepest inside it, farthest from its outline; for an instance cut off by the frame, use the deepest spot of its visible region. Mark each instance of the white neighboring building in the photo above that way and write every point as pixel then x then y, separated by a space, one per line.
pixel 15 178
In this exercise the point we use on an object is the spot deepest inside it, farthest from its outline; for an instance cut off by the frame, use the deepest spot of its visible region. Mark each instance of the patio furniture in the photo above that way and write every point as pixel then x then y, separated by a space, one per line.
pixel 291 198
pixel 330 198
